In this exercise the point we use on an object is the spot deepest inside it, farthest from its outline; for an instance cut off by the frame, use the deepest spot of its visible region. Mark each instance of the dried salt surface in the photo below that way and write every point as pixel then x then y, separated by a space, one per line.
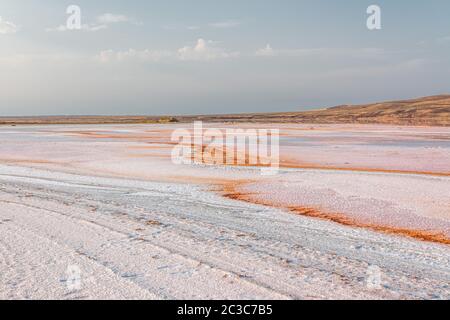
pixel 137 239
pixel 139 227
pixel 421 149
pixel 407 201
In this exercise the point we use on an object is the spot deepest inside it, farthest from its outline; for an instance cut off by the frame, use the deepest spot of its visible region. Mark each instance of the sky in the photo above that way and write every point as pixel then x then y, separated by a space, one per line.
pixel 176 57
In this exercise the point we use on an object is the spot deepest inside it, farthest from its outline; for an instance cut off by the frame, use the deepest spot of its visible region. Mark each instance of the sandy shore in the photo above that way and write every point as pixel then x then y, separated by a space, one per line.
pixel 108 200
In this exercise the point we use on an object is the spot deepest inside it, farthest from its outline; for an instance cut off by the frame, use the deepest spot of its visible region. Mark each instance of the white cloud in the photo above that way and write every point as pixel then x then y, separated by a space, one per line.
pixel 84 27
pixel 265 52
pixel 108 18
pixel 207 50
pixel 203 51
pixel 60 28
pixel 225 24
pixel 7 27
pixel 102 23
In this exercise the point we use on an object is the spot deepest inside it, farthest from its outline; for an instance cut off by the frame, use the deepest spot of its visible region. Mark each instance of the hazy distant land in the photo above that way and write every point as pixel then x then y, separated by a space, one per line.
pixel 427 111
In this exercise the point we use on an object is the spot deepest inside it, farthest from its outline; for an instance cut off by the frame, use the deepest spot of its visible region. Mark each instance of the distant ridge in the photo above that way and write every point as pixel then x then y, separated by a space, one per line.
pixel 426 111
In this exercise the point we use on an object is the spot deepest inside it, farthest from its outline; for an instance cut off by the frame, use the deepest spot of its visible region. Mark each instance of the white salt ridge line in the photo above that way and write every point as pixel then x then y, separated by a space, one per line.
pixel 13 178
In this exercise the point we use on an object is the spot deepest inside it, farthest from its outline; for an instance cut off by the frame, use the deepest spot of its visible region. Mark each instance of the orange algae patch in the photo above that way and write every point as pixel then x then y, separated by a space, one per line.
pixel 423 235
pixel 230 190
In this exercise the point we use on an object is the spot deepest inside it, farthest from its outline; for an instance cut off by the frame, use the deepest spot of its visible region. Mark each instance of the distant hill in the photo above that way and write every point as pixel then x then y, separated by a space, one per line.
pixel 433 110
pixel 427 111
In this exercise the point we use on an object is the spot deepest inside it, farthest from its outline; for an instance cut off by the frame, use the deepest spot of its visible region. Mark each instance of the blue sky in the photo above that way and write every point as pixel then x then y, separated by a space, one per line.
pixel 190 57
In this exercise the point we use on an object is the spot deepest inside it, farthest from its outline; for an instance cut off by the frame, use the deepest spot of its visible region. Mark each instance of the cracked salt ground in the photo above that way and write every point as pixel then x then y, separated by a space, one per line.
pixel 198 245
